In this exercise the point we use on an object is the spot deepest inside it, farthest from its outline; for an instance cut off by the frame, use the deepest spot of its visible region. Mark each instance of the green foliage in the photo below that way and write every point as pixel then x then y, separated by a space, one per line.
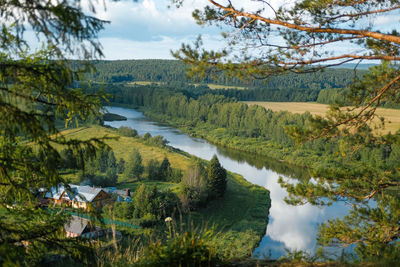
pixel 186 248
pixel 152 169
pixel 352 174
pixel 113 117
pixel 68 159
pixel 134 167
pixel 355 170
pixel 195 191
pixel 121 166
pixel 171 73
pixel 151 206
pixel 164 171
pixel 216 181
pixel 157 140
pixel 127 131
pixel 37 91
pixel 123 210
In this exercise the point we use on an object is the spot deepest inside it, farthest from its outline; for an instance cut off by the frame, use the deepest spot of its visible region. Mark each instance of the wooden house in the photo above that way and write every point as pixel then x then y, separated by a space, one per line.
pixel 78 196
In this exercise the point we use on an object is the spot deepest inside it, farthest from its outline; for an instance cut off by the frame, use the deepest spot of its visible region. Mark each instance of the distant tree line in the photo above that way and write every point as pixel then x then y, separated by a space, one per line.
pixel 288 87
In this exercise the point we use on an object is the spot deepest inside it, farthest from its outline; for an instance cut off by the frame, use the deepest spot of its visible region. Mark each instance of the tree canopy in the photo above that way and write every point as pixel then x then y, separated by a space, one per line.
pixel 303 36
pixel 37 94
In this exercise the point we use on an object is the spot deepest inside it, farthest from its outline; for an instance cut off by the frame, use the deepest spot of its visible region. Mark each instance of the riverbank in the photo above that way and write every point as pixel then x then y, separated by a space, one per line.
pixel 221 137
pixel 239 218
pixel 290 228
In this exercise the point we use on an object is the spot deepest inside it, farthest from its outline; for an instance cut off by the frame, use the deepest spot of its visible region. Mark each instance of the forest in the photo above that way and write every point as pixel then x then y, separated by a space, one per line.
pixel 287 87
pixel 327 87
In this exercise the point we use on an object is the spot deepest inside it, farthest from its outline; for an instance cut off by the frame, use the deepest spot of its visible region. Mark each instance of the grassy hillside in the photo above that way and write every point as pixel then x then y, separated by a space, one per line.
pixel 239 218
pixel 124 146
pixel 392 116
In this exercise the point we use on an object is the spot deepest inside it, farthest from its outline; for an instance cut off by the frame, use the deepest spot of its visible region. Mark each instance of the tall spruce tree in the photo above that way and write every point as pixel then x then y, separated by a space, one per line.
pixel 216 178
pixel 164 171
pixel 36 90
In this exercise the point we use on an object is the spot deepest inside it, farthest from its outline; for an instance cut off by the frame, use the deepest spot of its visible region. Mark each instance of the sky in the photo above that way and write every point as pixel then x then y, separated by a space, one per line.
pixel 149 29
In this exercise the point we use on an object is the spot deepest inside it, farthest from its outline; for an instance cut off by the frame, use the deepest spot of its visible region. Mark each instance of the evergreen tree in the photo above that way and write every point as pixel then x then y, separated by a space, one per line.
pixel 111 177
pixel 111 160
pixel 216 178
pixel 134 167
pixel 164 171
pixel 102 160
pixel 121 166
pixel 153 170
pixel 144 201
pixel 68 159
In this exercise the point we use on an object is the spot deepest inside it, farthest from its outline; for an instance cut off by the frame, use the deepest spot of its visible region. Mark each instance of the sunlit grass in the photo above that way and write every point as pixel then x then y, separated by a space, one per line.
pixel 392 116
pixel 124 146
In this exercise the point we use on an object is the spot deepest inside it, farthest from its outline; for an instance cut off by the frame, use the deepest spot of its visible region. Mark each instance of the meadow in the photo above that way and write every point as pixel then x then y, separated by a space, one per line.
pixel 392 116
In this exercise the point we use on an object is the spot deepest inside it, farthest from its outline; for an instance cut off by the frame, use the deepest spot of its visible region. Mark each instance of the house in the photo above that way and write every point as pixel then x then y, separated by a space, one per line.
pixel 119 194
pixel 79 226
pixel 79 196
pixel 55 194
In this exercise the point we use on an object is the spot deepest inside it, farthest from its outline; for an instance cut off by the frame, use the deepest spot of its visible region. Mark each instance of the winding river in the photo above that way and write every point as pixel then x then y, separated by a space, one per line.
pixel 289 227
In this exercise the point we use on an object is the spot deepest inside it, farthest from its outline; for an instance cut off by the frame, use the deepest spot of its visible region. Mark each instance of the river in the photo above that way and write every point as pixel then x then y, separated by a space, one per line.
pixel 289 227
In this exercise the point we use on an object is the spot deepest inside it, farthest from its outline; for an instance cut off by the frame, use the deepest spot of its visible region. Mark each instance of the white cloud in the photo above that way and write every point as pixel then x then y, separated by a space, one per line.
pixel 117 48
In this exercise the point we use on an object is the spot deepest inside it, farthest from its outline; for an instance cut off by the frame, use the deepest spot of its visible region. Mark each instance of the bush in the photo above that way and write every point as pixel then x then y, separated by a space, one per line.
pixel 127 131
pixel 189 248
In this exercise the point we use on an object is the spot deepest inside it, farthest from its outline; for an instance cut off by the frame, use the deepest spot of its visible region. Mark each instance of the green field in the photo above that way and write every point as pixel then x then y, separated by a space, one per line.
pixel 392 116
pixel 239 218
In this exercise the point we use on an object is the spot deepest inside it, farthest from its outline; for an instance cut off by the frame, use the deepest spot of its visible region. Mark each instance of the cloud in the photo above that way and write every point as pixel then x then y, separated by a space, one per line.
pixel 149 20
pixel 117 48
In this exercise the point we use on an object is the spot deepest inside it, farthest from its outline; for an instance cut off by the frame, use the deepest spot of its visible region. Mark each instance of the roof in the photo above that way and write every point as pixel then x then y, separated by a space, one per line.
pixel 77 225
pixel 55 192
pixel 122 192
pixel 79 193
pixel 84 193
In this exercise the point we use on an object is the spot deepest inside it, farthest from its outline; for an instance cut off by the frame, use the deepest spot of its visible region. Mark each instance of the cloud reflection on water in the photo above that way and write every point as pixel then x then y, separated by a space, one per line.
pixel 290 227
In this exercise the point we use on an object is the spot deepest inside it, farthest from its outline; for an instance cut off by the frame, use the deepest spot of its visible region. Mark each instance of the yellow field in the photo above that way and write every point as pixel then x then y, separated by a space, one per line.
pixel 145 83
pixel 124 146
pixel 392 116
pixel 218 86
pixel 211 85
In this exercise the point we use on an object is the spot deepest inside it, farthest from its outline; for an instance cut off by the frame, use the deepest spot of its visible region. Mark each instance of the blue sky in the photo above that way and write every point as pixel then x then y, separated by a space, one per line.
pixel 149 29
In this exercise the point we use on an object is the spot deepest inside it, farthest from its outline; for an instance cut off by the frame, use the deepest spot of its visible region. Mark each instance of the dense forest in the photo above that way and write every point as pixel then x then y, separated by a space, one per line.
pixel 327 87
pixel 288 87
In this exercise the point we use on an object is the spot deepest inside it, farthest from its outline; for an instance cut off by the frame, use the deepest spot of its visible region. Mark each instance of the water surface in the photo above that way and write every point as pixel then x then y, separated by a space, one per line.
pixel 289 227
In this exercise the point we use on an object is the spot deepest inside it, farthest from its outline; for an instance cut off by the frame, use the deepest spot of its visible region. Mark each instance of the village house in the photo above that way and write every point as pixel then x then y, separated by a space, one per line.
pixel 78 196
pixel 81 227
